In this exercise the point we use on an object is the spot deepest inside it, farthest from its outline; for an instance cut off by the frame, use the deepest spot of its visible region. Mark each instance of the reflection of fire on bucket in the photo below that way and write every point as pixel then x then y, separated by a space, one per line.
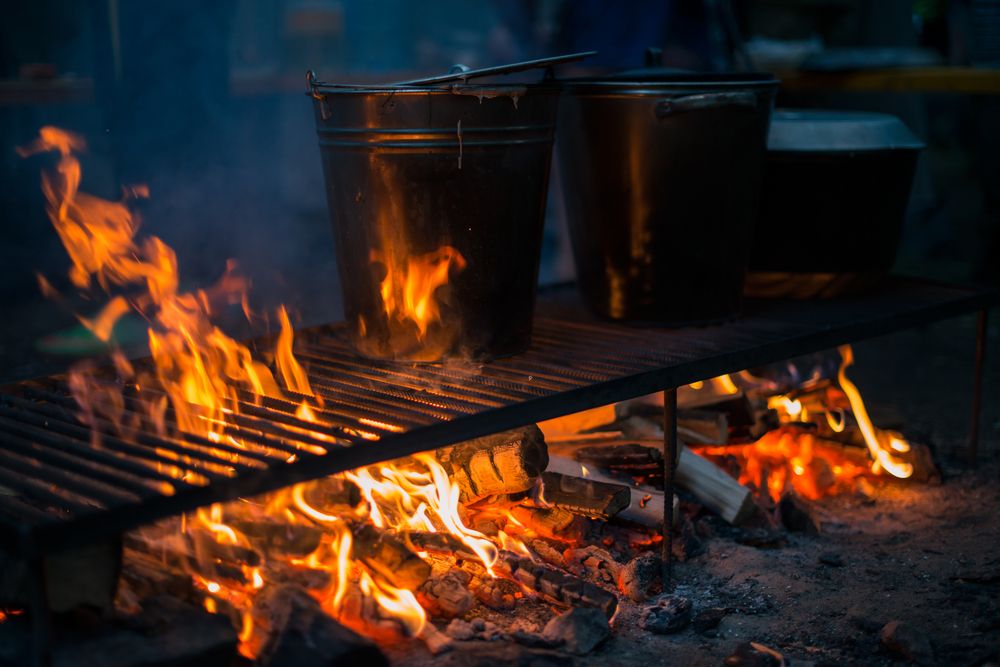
pixel 436 190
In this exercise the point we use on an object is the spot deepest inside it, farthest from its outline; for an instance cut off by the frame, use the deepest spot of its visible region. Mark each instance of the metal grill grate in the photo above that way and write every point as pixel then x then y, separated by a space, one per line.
pixel 58 488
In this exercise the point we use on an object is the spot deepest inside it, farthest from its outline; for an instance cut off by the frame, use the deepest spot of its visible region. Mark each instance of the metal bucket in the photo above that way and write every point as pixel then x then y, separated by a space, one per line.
pixel 661 175
pixel 437 198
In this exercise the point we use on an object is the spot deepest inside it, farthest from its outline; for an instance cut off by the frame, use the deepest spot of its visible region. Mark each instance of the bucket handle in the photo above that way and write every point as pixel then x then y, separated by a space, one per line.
pixel 702 101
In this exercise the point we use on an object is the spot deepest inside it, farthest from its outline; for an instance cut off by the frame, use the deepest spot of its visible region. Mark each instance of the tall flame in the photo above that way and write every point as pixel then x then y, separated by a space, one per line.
pixel 196 364
pixel 882 454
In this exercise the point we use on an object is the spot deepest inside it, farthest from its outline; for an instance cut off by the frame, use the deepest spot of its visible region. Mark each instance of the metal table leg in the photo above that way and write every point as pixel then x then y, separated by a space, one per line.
pixel 38 608
pixel 977 385
pixel 669 470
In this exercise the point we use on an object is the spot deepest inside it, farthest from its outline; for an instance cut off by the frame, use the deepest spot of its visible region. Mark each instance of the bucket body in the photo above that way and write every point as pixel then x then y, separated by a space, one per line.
pixel 437 199
pixel 662 178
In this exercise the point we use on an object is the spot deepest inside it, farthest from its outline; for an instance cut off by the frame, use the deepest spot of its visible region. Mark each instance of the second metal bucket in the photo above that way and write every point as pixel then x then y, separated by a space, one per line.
pixel 437 198
pixel 661 175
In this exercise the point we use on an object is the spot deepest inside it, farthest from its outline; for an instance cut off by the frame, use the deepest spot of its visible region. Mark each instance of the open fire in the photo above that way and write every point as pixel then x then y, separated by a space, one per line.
pixel 388 548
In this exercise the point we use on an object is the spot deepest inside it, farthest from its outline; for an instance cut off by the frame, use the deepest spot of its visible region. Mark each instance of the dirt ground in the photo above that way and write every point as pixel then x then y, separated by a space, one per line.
pixel 924 554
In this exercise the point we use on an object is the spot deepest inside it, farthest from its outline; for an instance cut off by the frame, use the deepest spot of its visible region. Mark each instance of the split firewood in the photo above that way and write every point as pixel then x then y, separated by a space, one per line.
pixel 551 522
pixel 555 584
pixel 737 407
pixel 703 426
pixel 713 488
pixel 504 463
pixel 389 557
pixel 710 485
pixel 300 634
pixel 81 577
pixel 588 497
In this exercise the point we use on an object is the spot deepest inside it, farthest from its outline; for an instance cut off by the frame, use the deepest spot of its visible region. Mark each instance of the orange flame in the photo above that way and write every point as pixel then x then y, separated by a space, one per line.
pixel 202 371
pixel 881 444
pixel 793 456
pixel 408 290
pixel 198 366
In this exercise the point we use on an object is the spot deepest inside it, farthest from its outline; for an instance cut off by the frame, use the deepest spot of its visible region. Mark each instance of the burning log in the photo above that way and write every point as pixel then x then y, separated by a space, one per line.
pixel 198 552
pixel 82 577
pixel 713 488
pixel 557 585
pixel 300 634
pixel 551 522
pixel 332 493
pixel 145 576
pixel 504 463
pixel 390 558
pixel 591 498
pixel 554 584
pixel 276 536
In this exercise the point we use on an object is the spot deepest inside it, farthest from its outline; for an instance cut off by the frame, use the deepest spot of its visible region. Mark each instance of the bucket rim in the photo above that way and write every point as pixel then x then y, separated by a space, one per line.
pixel 483 89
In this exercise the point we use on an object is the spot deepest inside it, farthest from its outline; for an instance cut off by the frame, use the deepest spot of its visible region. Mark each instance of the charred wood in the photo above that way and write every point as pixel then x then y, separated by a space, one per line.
pixel 301 634
pixel 591 498
pixel 145 576
pixel 446 595
pixel 557 585
pixel 630 458
pixel 645 503
pixel 389 557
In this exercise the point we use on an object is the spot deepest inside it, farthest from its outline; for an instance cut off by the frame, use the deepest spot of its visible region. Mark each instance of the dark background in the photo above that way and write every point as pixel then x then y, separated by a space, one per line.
pixel 204 102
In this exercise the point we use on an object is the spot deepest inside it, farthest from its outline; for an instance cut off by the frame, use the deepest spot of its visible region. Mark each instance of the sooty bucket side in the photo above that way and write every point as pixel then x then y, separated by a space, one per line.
pixel 437 198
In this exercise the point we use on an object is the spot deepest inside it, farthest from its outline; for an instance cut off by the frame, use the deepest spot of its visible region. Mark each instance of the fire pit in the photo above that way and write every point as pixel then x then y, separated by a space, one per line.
pixel 373 501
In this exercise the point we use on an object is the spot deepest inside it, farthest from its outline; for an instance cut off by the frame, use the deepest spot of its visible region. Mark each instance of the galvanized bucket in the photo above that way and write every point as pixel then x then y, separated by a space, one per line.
pixel 437 197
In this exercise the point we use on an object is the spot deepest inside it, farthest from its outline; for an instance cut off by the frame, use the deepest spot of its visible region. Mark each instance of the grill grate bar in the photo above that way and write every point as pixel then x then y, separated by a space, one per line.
pixel 22 456
pixel 45 449
pixel 180 455
pixel 58 488
pixel 114 452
